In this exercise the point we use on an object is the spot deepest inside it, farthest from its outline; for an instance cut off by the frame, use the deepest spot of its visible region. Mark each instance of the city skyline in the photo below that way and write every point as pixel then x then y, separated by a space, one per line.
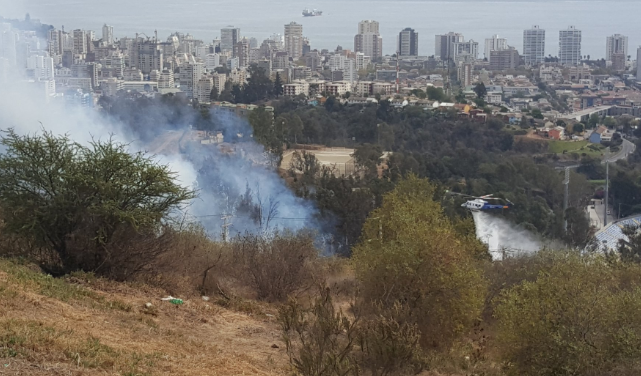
pixel 266 19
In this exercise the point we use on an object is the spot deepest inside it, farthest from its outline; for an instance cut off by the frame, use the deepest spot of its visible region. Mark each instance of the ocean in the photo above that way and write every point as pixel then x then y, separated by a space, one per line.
pixel 476 19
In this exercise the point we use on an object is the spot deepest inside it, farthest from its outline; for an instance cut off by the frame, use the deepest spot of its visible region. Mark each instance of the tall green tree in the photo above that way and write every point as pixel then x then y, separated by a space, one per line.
pixel 259 86
pixel 411 254
pixel 73 199
pixel 480 90
pixel 278 85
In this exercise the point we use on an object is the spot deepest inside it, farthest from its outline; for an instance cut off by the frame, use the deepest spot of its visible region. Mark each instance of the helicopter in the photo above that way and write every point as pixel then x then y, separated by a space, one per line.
pixel 481 203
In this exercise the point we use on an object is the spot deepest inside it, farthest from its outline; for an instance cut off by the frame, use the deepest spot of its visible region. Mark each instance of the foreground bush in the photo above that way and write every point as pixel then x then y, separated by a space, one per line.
pixel 411 255
pixel 579 317
pixel 275 266
pixel 81 203
pixel 321 340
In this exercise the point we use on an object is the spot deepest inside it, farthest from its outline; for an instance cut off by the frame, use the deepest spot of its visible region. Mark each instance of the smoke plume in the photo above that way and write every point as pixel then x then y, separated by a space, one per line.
pixel 239 189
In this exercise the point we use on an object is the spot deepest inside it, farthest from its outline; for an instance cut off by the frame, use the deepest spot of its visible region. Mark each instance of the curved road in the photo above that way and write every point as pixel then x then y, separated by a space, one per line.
pixel 627 147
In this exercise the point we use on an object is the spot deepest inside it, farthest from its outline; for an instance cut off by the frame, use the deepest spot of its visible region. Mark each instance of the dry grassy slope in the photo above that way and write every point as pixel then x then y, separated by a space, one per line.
pixel 84 326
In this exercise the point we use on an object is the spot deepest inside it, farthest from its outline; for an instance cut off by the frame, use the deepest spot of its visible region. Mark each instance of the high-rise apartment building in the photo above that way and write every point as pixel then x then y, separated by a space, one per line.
pixel 229 36
pixel 570 46
pixel 408 42
pixel 41 67
pixel 616 44
pixel 534 45
pixel 465 51
pixel 190 74
pixel 445 45
pixel 241 51
pixel 368 40
pixel 494 44
pixel 54 42
pixel 504 59
pixel 146 55
pixel 79 42
pixel 638 64
pixel 294 40
pixel 108 34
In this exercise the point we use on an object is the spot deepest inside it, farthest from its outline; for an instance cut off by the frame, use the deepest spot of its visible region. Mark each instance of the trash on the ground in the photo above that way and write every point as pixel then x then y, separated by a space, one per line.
pixel 172 300
pixel 148 305
pixel 275 346
pixel 205 298
pixel 268 315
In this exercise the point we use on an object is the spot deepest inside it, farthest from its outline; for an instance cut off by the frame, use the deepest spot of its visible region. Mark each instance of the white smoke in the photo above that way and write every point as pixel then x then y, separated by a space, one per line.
pixel 220 178
pixel 504 238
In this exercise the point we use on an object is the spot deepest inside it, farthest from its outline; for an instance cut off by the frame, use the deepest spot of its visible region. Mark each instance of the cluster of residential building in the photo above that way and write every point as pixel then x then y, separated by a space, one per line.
pixel 85 66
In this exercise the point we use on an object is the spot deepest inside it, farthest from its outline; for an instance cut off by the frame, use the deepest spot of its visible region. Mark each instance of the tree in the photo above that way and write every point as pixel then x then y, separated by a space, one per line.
pixel 630 249
pixel 480 90
pixel 577 128
pixel 410 254
pixel 572 320
pixel 278 85
pixel 610 122
pixel 74 200
pixel 537 114
pixel 593 121
pixel 368 158
pixel 226 95
pixel 259 86
pixel 213 96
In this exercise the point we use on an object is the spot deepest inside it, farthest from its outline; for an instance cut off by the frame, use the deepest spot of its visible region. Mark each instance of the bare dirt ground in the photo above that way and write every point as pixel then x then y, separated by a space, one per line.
pixel 76 327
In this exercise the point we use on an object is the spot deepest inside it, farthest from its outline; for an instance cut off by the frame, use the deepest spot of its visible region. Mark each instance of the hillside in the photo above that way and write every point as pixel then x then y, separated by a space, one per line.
pixel 81 325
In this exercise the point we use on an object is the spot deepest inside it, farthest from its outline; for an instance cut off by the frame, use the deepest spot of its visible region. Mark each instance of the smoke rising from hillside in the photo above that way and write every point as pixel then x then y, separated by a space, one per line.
pixel 240 184
pixel 502 236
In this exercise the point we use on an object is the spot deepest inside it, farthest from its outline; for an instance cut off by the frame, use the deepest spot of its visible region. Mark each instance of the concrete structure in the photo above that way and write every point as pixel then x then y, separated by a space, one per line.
pixel 146 55
pixel 294 40
pixel 190 74
pixel 241 52
pixel 203 90
pixel 504 59
pixel 408 42
pixel 445 45
pixel 108 34
pixel 616 44
pixel 338 88
pixel 638 64
pixel 79 42
pixel 229 36
pixel 295 88
pixel 465 74
pixel 607 239
pixel 368 40
pixel 166 80
pixel 465 51
pixel 618 62
pixel 534 46
pixel 570 46
pixel 494 44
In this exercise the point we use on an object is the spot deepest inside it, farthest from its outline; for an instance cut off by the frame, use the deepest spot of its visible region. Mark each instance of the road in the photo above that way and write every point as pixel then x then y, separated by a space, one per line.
pixel 627 148
pixel 596 215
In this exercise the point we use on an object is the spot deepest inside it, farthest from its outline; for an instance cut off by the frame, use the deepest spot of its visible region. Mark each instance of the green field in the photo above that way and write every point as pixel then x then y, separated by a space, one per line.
pixel 580 147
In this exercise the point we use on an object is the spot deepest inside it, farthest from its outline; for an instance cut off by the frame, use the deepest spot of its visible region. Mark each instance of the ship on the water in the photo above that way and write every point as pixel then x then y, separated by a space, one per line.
pixel 312 13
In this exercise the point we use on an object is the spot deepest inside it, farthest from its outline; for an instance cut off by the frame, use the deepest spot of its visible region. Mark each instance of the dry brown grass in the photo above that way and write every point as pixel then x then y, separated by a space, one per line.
pixel 88 326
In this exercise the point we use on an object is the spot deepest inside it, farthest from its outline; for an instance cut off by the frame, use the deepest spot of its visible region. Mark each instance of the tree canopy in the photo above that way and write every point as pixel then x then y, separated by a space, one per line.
pixel 74 199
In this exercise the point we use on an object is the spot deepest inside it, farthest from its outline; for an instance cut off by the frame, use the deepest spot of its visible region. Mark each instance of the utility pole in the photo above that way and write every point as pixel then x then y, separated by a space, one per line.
pixel 566 182
pixel 398 58
pixel 607 192
pixel 225 227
